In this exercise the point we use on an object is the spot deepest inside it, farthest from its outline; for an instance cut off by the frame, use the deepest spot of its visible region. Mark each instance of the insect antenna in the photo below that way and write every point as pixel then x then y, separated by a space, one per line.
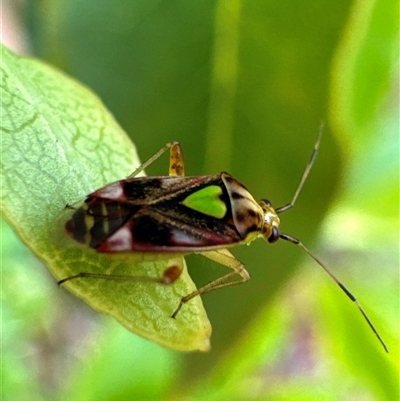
pixel 305 174
pixel 296 241
pixel 340 284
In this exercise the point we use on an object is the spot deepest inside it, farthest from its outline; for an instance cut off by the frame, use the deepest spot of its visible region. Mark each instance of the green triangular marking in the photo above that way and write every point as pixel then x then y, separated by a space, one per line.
pixel 207 201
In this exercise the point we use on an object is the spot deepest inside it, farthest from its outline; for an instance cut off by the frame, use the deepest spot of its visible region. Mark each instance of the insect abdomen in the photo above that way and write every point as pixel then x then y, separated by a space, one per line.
pixel 98 219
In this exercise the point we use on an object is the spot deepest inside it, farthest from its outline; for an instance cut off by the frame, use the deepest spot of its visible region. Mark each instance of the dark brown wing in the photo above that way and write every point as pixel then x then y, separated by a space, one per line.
pixel 147 215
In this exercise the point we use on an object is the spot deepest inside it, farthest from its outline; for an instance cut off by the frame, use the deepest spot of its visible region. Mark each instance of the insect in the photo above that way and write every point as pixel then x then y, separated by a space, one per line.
pixel 162 217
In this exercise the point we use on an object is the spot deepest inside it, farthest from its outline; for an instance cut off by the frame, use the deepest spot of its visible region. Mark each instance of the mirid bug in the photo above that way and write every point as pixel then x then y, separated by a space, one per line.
pixel 162 217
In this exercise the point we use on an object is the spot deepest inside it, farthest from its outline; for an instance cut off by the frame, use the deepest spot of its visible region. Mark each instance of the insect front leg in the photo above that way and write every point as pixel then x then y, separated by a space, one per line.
pixel 223 257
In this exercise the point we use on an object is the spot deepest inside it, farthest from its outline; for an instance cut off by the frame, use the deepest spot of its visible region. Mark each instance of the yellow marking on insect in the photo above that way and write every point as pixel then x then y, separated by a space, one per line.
pixel 105 222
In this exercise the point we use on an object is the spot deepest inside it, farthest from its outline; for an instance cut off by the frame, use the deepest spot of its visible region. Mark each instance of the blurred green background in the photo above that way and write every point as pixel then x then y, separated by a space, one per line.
pixel 243 86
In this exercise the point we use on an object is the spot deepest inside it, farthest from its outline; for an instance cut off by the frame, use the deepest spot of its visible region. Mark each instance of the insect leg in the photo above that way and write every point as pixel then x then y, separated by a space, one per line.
pixel 176 162
pixel 153 158
pixel 224 257
pixel 170 275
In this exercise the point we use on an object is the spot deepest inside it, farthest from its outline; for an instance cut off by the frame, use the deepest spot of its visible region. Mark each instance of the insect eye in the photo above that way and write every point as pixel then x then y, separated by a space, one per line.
pixel 267 202
pixel 274 235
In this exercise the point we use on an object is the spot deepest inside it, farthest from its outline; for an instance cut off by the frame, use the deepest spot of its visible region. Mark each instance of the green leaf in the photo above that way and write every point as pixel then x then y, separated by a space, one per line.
pixel 59 143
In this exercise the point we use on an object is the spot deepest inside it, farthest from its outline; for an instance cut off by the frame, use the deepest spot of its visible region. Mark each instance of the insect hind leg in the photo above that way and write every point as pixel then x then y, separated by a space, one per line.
pixel 176 162
pixel 170 275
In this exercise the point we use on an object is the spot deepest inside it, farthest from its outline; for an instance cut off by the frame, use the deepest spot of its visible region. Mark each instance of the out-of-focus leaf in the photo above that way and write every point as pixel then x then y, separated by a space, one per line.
pixel 136 373
pixel 365 115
